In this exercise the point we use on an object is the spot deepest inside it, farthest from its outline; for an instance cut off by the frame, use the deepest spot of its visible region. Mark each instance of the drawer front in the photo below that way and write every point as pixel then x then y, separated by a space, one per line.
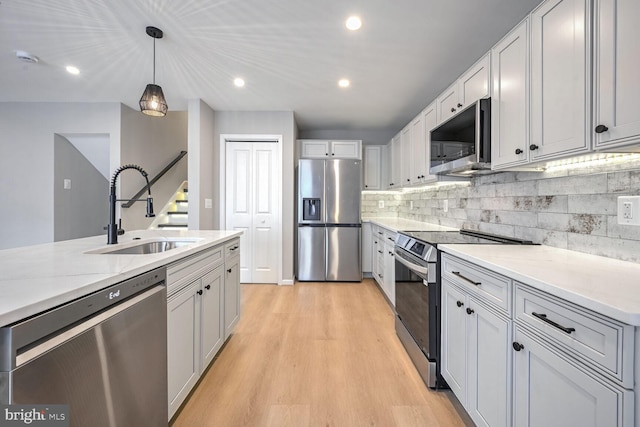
pixel 184 271
pixel 231 249
pixel 492 288
pixel 597 340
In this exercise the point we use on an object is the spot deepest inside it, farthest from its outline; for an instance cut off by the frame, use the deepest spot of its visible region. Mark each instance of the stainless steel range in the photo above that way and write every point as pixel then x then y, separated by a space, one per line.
pixel 418 286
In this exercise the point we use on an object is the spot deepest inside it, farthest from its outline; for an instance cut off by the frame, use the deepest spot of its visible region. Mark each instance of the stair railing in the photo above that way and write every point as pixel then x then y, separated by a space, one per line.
pixel 154 180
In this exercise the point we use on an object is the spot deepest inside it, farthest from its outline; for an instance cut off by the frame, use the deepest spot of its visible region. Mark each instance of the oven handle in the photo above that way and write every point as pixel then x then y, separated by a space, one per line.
pixel 411 266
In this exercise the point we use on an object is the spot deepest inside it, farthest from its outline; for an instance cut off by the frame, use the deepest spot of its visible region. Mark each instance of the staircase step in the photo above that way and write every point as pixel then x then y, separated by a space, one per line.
pixel 172 225
pixel 178 213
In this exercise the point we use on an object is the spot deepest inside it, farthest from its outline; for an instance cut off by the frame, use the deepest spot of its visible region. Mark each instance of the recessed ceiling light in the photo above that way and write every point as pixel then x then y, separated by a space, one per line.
pixel 72 70
pixel 344 83
pixel 238 82
pixel 354 23
pixel 26 57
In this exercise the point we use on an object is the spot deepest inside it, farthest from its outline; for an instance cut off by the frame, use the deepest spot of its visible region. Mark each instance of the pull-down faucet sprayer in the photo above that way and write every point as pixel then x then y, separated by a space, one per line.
pixel 112 228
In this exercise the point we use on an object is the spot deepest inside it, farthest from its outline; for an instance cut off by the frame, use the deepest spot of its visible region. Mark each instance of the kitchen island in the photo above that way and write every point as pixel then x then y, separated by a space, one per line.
pixel 36 278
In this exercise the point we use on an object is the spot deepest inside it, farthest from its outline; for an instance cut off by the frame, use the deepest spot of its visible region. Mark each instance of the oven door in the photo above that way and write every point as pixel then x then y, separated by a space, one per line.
pixel 414 295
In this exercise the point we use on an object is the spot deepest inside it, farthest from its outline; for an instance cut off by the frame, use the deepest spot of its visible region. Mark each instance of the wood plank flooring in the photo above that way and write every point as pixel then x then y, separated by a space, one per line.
pixel 315 354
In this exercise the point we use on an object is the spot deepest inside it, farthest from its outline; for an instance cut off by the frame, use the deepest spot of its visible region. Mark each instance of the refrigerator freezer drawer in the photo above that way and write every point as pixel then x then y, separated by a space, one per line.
pixel 311 253
pixel 343 253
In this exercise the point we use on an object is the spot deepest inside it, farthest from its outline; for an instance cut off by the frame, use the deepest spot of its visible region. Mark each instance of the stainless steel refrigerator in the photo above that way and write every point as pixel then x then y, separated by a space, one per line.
pixel 329 227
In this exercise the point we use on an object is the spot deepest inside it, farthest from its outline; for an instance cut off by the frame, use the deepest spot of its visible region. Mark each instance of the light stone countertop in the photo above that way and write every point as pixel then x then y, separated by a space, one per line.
pixel 604 285
pixel 36 278
pixel 401 224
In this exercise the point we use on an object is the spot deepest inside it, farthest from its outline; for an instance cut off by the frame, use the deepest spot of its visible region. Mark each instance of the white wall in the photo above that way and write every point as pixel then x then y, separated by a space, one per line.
pixel 203 171
pixel 27 132
pixel 271 122
pixel 152 143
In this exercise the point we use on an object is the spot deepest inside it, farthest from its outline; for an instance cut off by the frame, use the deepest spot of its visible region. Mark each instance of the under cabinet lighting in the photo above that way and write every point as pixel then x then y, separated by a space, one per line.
pixel 600 159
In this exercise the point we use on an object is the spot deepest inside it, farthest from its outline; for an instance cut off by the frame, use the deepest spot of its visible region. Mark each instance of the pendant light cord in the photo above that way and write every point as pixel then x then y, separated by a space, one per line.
pixel 154 60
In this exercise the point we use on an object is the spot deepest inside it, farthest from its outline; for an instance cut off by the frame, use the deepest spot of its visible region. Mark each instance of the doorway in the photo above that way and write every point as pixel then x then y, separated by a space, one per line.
pixel 252 204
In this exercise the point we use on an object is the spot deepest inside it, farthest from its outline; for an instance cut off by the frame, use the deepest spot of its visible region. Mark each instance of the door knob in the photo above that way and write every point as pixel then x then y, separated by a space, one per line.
pixel 517 346
pixel 601 128
pixel 459 303
pixel 518 151
pixel 459 105
pixel 453 110
pixel 229 270
pixel 207 287
pixel 533 147
pixel 470 311
pixel 199 292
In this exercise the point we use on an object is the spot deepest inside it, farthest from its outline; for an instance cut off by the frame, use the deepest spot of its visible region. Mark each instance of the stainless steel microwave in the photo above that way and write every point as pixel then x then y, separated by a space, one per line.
pixel 461 146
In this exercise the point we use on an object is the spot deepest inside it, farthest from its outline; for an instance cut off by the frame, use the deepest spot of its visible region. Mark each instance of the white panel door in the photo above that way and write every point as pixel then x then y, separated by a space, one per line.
pixel 474 84
pixel 419 160
pixel 447 103
pixel 454 340
pixel 405 165
pixel 429 121
pixel 510 99
pixel 253 207
pixel 617 61
pixel 560 74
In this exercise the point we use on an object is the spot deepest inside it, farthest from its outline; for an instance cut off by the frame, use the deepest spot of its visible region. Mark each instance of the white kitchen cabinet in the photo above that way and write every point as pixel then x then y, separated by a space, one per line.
pixel 429 121
pixel 367 248
pixel 474 84
pixel 551 390
pixel 475 356
pixel 510 99
pixel 560 79
pixel 231 287
pixel 212 331
pixel 321 149
pixel 389 281
pixel 396 163
pixel 616 64
pixel 406 163
pixel 383 260
pixel 372 167
pixel 419 166
pixel 447 103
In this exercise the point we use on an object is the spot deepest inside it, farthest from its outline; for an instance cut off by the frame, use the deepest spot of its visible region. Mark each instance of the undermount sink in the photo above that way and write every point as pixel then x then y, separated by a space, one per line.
pixel 149 247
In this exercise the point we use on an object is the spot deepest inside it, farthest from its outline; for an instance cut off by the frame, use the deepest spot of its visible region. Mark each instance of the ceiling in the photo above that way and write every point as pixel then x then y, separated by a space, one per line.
pixel 291 53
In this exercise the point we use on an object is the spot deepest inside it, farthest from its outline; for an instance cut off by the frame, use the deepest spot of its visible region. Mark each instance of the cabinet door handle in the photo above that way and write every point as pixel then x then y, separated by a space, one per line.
pixel 365 186
pixel 391 253
pixel 408 180
pixel 333 154
pixel 453 110
pixel 470 311
pixel 544 318
pixel 199 292
pixel 457 273
pixel 459 105
pixel 207 287
pixel 459 303
pixel 228 270
pixel 517 346
pixel 533 147
pixel 601 128
pixel 379 252
pixel 518 151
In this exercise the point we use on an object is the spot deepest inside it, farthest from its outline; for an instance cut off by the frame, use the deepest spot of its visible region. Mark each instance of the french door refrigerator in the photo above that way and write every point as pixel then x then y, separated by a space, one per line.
pixel 329 227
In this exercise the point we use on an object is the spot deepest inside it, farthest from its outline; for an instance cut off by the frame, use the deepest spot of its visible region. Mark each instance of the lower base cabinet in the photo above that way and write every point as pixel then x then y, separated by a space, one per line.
pixel 551 391
pixel 475 356
pixel 203 308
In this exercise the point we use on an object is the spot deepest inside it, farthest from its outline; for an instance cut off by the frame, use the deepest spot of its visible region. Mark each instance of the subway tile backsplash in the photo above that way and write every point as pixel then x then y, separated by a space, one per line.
pixel 573 208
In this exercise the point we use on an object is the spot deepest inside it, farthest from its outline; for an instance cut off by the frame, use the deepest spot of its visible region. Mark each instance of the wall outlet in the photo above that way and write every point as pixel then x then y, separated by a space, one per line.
pixel 445 205
pixel 208 203
pixel 629 210
pixel 380 204
pixel 66 184
pixel 410 204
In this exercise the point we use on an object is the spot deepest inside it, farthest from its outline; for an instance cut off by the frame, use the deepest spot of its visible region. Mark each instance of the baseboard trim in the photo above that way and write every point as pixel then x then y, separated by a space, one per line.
pixel 287 282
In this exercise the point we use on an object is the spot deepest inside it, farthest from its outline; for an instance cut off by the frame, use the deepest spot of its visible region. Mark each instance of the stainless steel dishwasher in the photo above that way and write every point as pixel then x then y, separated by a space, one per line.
pixel 105 355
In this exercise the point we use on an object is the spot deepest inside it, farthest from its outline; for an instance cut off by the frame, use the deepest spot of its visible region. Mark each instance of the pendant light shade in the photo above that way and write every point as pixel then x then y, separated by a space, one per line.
pixel 152 101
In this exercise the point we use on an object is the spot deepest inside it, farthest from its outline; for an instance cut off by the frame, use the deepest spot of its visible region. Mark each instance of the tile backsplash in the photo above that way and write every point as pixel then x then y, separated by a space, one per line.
pixel 573 208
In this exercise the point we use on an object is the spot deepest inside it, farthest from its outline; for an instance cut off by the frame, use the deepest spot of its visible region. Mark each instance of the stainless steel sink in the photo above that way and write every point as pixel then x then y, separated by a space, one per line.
pixel 146 248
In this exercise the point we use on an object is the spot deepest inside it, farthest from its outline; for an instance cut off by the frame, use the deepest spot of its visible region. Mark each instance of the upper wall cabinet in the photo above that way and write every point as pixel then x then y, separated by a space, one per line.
pixel 395 171
pixel 510 99
pixel 405 165
pixel 372 167
pixel 617 82
pixel 474 84
pixel 321 149
pixel 560 76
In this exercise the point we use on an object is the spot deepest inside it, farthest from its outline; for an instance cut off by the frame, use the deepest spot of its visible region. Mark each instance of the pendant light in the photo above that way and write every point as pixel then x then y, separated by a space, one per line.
pixel 152 101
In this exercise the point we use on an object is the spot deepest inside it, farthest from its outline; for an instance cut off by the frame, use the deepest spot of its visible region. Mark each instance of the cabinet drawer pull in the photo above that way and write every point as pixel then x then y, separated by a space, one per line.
pixel 453 110
pixel 379 252
pixel 459 303
pixel 470 311
pixel 517 346
pixel 457 273
pixel 459 105
pixel 544 318
pixel 199 292
pixel 533 147
pixel 601 128
pixel 229 270
pixel 518 151
pixel 207 287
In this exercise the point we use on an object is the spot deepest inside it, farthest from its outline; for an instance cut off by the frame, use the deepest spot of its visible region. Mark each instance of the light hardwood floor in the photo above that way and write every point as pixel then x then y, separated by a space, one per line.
pixel 315 354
